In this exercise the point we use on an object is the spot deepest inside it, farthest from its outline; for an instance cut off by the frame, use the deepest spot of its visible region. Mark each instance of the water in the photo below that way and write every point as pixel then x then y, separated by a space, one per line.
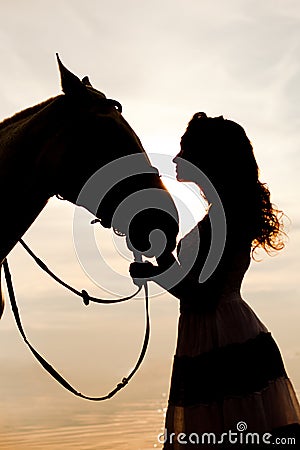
pixel 36 413
pixel 133 426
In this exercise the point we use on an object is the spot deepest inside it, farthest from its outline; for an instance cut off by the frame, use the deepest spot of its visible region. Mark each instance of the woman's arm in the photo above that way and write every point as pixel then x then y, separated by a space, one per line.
pixel 188 289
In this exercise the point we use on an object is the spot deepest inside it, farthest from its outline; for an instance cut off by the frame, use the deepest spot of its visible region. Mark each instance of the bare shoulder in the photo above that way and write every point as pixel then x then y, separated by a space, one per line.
pixel 200 231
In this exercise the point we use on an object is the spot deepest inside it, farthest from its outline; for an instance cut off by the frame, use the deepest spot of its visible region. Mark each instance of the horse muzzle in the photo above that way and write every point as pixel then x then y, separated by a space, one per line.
pixel 141 208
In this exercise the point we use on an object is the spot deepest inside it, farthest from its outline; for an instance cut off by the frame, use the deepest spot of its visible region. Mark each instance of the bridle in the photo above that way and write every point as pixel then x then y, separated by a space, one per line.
pixel 86 300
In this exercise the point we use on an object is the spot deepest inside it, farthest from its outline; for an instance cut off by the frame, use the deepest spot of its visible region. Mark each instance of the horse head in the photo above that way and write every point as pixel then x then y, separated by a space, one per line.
pixel 98 162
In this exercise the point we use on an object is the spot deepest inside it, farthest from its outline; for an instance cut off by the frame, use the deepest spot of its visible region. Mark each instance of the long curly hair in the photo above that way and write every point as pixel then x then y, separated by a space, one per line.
pixel 222 150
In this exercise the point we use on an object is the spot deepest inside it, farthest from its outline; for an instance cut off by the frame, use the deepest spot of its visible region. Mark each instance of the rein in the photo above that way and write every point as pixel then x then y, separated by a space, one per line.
pixel 86 299
pixel 83 294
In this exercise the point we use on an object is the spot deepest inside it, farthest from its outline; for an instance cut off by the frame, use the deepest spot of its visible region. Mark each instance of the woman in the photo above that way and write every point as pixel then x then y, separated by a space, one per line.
pixel 228 373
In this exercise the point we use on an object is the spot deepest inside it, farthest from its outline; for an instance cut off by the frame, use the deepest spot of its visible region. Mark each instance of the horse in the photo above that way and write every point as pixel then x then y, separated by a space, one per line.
pixel 55 148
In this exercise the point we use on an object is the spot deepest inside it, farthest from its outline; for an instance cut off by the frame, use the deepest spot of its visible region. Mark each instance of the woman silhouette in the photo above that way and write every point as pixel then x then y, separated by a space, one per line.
pixel 228 373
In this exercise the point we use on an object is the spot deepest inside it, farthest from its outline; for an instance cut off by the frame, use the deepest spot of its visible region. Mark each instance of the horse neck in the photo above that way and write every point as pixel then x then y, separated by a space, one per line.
pixel 22 197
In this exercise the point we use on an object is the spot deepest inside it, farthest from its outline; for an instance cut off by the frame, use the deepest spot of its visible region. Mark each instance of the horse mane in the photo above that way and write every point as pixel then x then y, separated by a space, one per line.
pixel 25 113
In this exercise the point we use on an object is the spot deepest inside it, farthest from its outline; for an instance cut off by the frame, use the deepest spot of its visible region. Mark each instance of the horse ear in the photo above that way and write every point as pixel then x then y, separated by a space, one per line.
pixel 86 81
pixel 70 83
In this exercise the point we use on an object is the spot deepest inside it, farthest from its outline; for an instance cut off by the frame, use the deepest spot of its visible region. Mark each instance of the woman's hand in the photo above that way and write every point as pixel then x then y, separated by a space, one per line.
pixel 142 271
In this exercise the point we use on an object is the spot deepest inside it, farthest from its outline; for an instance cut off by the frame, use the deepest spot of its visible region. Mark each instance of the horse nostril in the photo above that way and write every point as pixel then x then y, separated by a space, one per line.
pixel 153 232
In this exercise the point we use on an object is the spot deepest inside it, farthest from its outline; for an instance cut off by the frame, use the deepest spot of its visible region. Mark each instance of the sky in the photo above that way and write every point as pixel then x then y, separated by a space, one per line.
pixel 163 60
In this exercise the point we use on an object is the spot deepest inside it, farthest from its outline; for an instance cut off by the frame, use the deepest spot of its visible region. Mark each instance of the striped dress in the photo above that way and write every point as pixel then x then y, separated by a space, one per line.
pixel 228 374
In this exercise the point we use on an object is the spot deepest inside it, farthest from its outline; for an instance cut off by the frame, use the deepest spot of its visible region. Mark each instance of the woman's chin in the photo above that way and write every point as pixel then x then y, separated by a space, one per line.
pixel 178 178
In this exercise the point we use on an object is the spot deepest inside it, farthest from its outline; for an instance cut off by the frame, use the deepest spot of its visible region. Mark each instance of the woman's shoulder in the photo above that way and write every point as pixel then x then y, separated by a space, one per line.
pixel 193 236
pixel 200 237
pixel 196 243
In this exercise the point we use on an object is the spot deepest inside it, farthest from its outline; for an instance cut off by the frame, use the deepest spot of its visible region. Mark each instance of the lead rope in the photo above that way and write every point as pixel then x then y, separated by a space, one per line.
pixel 50 369
pixel 83 294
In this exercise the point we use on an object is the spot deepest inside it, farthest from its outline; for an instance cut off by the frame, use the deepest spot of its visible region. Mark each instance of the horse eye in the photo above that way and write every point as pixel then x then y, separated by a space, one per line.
pixel 118 106
pixel 115 103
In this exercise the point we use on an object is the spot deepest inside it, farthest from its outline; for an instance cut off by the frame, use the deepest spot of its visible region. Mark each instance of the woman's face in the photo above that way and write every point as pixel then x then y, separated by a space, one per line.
pixel 180 167
pixel 177 161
